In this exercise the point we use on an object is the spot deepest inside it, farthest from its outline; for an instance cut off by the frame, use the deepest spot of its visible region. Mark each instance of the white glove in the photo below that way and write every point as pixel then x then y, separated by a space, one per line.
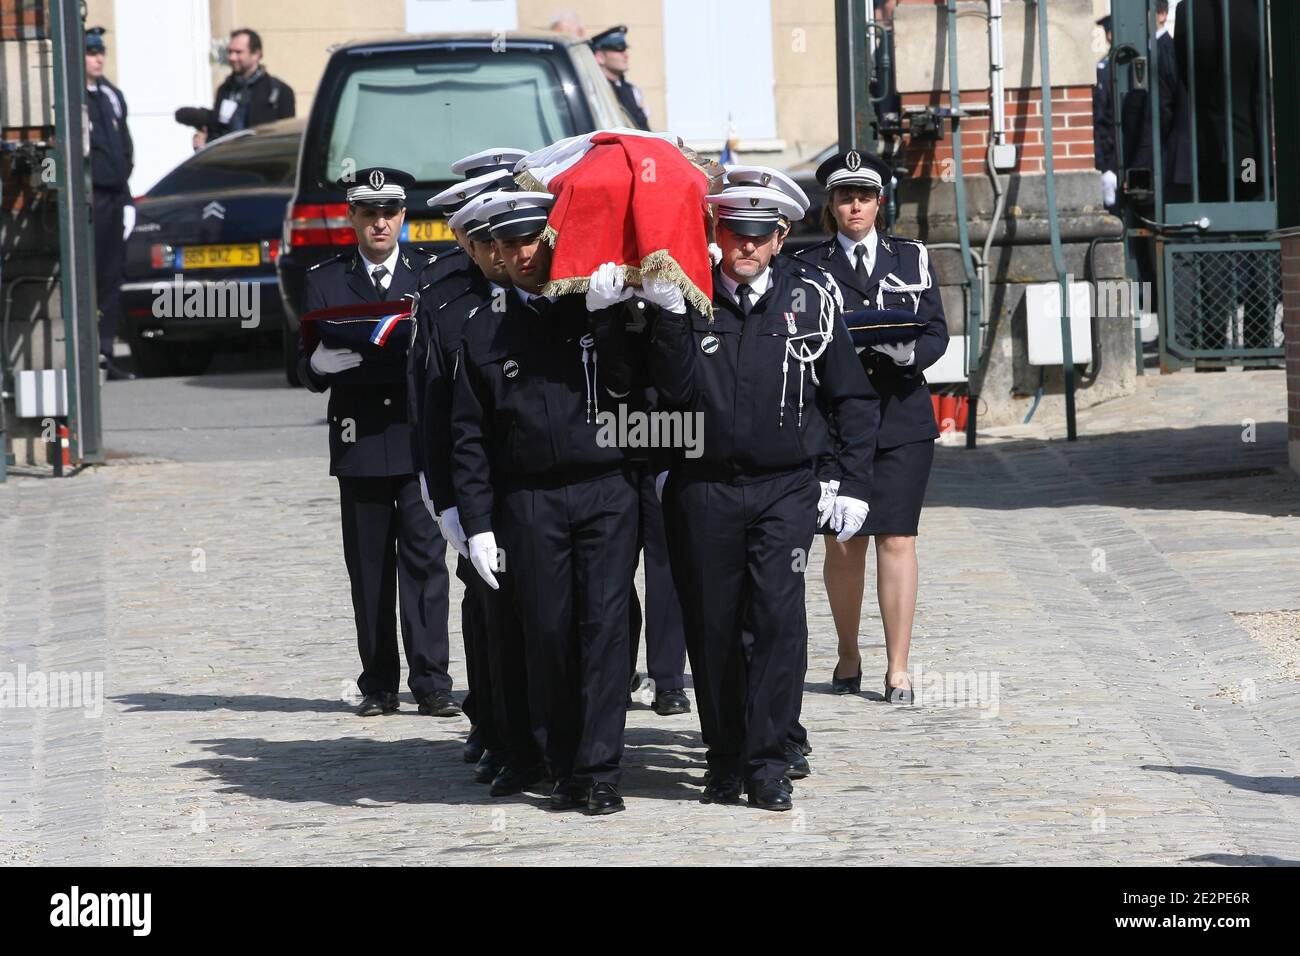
pixel 606 288
pixel 424 496
pixel 483 555
pixel 663 294
pixel 902 354
pixel 848 515
pixel 1109 186
pixel 829 490
pixel 449 525
pixel 128 221
pixel 660 479
pixel 715 253
pixel 332 361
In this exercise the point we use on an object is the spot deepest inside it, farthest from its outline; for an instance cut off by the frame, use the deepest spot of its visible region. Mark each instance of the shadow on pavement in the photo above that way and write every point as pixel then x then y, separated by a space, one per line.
pixel 1287 786
pixel 350 771
pixel 180 703
pixel 1241 859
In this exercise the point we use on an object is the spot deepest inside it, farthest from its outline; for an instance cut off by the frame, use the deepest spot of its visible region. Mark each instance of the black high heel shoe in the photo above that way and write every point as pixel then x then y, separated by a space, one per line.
pixel 898 695
pixel 846 685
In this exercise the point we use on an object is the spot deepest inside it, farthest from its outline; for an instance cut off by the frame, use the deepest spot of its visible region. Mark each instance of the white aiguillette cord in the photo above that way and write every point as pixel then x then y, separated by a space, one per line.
pixel 892 283
pixel 799 348
pixel 588 343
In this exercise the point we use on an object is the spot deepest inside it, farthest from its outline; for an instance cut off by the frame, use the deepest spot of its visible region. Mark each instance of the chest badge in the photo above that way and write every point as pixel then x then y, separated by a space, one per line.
pixel 511 368
pixel 709 344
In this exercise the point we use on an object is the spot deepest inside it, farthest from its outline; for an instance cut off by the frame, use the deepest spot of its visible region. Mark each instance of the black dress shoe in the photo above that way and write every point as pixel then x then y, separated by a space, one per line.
pixel 440 703
pixel 604 798
pixel 898 695
pixel 473 751
pixel 798 764
pixel 770 795
pixel 115 372
pixel 380 702
pixel 568 795
pixel 487 768
pixel 514 780
pixel 846 685
pixel 669 702
pixel 727 790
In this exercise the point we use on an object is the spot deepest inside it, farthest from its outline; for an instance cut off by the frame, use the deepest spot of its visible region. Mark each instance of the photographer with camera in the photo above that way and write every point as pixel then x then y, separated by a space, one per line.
pixel 248 97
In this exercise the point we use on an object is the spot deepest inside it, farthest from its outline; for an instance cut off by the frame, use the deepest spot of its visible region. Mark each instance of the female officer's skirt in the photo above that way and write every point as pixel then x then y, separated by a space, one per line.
pixel 900 475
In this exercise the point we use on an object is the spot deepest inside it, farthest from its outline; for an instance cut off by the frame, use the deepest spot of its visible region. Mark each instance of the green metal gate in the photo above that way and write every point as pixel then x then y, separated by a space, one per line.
pixel 1217 275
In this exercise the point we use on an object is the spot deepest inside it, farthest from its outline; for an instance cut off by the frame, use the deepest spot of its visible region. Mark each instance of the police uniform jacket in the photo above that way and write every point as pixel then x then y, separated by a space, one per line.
pixel 448 324
pixel 525 407
pixel 730 370
pixel 906 413
pixel 449 276
pixel 377 413
pixel 112 153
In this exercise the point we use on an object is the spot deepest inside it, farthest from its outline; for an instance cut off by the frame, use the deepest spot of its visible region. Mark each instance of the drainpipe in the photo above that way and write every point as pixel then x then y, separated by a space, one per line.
pixel 1058 259
pixel 963 233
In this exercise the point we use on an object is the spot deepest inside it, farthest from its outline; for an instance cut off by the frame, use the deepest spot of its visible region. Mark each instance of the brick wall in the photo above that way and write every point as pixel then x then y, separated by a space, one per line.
pixel 1072 145
pixel 22 19
pixel 1291 331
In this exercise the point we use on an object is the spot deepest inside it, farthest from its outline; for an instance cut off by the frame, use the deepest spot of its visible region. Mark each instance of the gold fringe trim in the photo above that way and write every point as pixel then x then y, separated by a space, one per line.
pixel 659 264
pixel 549 235
pixel 529 183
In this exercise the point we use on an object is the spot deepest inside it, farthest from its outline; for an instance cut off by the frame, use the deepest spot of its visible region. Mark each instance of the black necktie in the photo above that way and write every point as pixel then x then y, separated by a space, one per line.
pixel 540 304
pixel 743 293
pixel 377 277
pixel 861 268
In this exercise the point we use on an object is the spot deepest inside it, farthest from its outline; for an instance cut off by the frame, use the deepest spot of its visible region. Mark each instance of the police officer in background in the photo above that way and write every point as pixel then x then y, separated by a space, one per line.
pixel 877 271
pixel 774 364
pixel 610 47
pixel 390 541
pixel 1105 148
pixel 249 96
pixel 111 162
pixel 529 465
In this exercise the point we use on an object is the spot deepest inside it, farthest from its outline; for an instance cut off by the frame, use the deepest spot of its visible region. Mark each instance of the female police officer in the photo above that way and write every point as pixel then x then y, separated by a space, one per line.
pixel 879 271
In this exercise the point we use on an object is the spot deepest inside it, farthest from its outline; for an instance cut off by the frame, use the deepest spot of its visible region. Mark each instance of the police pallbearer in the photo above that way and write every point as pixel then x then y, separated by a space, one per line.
pixel 493 635
pixel 528 467
pixel 457 283
pixel 774 364
pixel 798 746
pixel 390 542
pixel 880 271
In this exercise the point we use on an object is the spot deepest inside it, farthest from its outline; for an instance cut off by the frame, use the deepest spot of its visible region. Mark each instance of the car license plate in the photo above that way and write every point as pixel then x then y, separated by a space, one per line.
pixel 428 230
pixel 219 257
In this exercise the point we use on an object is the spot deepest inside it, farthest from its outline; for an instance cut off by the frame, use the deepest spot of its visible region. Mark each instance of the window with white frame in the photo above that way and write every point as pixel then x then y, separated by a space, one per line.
pixel 718 69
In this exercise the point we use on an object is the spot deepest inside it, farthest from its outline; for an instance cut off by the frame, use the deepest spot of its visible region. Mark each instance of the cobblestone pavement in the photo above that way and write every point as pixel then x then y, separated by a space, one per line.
pixel 1110 708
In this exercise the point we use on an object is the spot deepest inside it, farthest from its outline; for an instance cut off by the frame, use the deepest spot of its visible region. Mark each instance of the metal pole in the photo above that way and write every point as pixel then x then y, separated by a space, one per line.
pixel 1227 99
pixel 963 233
pixel 856 113
pixel 1058 259
pixel 76 253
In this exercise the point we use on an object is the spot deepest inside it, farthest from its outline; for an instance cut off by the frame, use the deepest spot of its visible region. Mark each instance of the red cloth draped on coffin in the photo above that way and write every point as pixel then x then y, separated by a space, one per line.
pixel 634 200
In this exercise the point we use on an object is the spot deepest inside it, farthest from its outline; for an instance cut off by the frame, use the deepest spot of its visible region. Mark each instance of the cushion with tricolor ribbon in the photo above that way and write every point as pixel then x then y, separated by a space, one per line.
pixel 380 331
pixel 883 327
